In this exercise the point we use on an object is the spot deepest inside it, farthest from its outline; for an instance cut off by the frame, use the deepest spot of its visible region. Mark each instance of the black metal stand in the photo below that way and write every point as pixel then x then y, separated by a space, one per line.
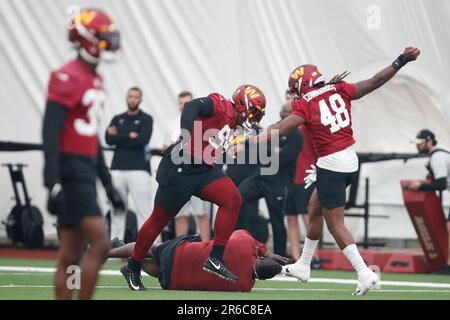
pixel 24 224
pixel 365 215
pixel 16 174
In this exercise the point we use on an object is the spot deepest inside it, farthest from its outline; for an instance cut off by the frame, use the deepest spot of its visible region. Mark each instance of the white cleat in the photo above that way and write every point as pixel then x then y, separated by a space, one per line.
pixel 297 270
pixel 365 284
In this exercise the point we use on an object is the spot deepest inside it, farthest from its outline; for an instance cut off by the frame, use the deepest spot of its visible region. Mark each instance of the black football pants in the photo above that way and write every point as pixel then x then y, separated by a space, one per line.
pixel 254 188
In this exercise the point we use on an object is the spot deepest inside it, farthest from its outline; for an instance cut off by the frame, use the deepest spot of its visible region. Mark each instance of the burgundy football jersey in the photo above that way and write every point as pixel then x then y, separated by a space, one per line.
pixel 81 92
pixel 306 157
pixel 240 256
pixel 327 114
pixel 211 136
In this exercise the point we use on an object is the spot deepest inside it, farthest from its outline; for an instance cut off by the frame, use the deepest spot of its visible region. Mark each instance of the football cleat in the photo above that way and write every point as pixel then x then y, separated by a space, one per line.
pixel 297 270
pixel 217 267
pixel 117 243
pixel 366 283
pixel 316 264
pixel 132 274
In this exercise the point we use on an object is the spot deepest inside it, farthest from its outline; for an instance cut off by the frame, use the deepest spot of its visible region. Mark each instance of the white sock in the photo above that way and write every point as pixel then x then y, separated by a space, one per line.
pixel 308 251
pixel 352 254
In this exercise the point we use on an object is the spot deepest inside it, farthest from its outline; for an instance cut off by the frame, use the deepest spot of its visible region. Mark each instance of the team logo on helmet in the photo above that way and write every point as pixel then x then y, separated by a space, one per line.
pixel 94 33
pixel 250 103
pixel 303 79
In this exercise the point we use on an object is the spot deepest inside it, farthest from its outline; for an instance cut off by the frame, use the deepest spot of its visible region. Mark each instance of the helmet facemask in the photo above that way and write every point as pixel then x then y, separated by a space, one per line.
pixel 249 103
pixel 95 36
pixel 304 79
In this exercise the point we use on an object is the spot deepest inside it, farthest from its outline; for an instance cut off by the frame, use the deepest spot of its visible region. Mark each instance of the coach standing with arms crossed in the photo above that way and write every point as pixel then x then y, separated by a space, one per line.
pixel 130 132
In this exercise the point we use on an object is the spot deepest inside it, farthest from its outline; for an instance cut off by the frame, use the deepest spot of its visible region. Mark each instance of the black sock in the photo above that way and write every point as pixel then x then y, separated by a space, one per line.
pixel 217 252
pixel 134 264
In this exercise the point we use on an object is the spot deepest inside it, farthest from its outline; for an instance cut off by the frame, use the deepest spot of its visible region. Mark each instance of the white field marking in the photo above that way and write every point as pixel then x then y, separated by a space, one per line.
pixel 13 286
pixel 21 274
pixel 28 269
pixel 52 270
pixel 346 290
pixel 354 281
pixel 51 286
pixel 277 278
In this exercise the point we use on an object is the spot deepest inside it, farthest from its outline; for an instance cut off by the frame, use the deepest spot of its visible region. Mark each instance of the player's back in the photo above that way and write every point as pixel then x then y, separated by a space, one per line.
pixel 240 256
pixel 210 136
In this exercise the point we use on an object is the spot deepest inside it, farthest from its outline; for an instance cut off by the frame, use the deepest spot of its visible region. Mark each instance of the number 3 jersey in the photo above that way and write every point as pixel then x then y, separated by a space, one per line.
pixel 79 90
pixel 327 114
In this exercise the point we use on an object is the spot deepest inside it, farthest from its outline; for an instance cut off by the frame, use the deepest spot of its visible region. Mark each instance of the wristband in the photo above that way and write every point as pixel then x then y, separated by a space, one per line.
pixel 400 62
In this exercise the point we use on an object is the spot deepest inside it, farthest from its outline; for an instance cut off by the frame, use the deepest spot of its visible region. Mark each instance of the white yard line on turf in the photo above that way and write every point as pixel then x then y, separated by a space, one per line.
pixel 277 278
pixel 346 290
pixel 354 281
pixel 13 286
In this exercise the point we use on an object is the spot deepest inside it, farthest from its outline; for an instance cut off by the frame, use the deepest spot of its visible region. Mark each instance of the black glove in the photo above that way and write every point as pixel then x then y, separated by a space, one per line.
pixel 56 200
pixel 115 199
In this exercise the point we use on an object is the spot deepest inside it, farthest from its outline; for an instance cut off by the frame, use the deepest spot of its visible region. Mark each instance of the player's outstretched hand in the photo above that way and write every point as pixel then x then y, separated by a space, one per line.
pixel 411 53
pixel 277 258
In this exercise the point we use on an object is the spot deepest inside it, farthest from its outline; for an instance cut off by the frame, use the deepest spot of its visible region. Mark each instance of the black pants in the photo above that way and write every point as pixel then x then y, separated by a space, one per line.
pixel 248 218
pixel 255 188
pixel 177 184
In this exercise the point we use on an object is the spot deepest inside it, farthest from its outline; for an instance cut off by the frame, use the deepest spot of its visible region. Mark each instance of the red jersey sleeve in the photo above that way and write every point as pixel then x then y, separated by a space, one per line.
pixel 219 102
pixel 64 89
pixel 300 108
pixel 347 89
pixel 261 248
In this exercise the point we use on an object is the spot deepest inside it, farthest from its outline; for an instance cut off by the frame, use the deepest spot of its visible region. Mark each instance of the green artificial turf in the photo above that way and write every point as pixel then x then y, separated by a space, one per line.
pixel 24 285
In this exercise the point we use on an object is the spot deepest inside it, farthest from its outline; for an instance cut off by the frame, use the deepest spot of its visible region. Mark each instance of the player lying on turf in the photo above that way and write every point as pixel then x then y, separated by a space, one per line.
pixel 325 109
pixel 178 263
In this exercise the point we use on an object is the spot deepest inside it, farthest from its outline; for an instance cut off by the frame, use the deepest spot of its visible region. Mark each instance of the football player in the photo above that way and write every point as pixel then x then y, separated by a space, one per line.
pixel 325 109
pixel 188 168
pixel 177 263
pixel 73 157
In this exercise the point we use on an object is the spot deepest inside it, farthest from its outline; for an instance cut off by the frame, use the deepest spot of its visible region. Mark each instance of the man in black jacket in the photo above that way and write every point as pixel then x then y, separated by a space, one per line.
pixel 130 132
pixel 274 187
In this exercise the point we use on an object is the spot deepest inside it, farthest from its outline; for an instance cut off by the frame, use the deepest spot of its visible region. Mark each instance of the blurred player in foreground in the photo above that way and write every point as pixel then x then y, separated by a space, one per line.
pixel 73 157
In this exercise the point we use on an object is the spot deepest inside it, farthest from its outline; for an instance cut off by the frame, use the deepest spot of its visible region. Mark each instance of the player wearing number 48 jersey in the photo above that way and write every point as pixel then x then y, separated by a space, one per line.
pixel 188 168
pixel 73 158
pixel 325 109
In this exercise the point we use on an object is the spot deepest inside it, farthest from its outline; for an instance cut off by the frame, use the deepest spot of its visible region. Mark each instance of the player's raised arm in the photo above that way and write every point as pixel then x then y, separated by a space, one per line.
pixel 366 86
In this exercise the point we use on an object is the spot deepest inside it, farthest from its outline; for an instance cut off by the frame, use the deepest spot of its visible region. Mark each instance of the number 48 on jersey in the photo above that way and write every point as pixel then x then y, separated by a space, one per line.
pixel 340 119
